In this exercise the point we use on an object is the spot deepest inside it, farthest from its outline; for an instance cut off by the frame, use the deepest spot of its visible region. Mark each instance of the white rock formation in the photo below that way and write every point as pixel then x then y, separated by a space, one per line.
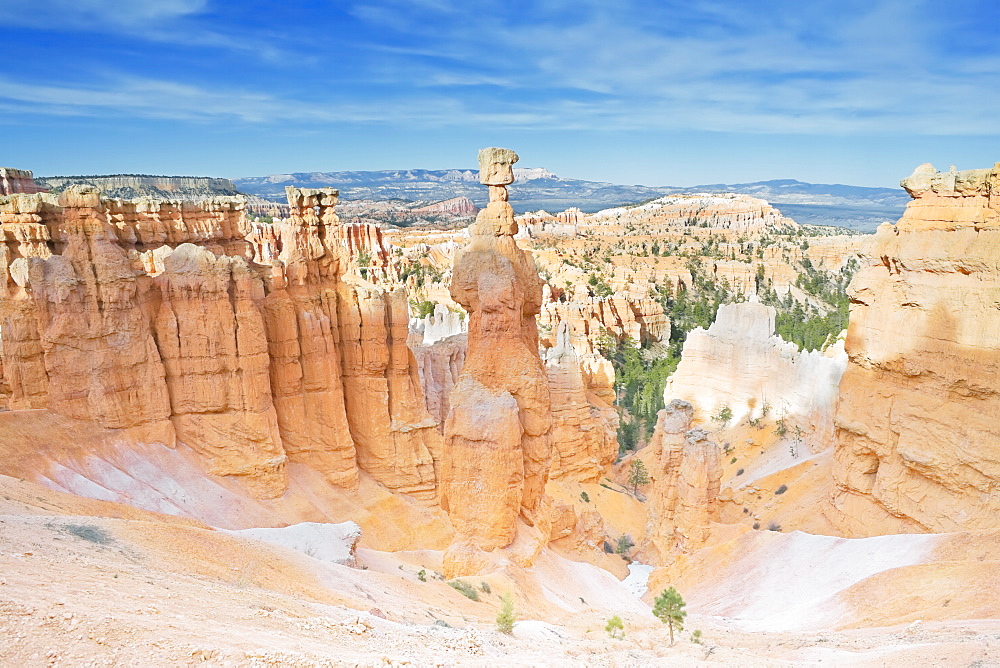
pixel 439 325
pixel 327 542
pixel 741 363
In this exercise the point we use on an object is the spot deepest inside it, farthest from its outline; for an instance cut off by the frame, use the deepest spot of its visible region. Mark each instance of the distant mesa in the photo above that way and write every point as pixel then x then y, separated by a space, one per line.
pixel 128 186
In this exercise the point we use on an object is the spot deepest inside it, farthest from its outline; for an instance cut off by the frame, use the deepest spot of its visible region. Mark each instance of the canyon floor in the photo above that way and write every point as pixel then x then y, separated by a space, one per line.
pixel 86 582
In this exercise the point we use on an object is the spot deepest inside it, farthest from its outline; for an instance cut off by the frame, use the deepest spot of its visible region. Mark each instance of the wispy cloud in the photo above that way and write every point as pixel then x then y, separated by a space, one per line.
pixel 95 14
pixel 776 66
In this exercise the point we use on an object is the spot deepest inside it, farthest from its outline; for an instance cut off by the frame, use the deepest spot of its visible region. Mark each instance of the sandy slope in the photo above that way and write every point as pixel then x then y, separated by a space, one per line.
pixel 89 582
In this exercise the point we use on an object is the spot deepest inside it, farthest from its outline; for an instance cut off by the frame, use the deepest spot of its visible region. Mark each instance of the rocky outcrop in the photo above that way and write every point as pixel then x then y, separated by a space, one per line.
pixel 18 181
pixel 498 429
pixel 739 213
pixel 152 315
pixel 740 363
pixel 686 475
pixel 918 437
pixel 584 425
pixel 620 315
pixel 439 364
pixel 456 206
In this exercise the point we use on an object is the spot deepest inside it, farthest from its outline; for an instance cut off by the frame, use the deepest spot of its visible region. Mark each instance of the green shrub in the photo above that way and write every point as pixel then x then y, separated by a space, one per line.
pixel 696 636
pixel 723 415
pixel 506 617
pixel 422 575
pixel 781 490
pixel 465 589
pixel 624 544
pixel 485 587
pixel 584 497
pixel 615 627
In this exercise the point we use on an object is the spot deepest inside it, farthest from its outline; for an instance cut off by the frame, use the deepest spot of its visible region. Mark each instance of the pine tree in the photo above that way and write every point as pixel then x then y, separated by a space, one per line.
pixel 506 617
pixel 637 475
pixel 669 607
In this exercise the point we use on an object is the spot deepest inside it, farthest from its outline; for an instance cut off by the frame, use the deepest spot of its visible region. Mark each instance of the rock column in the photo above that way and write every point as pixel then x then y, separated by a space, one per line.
pixel 497 435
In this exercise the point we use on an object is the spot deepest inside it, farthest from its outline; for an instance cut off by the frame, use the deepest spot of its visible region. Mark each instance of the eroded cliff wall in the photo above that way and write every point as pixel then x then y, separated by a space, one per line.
pixel 918 428
pixel 152 315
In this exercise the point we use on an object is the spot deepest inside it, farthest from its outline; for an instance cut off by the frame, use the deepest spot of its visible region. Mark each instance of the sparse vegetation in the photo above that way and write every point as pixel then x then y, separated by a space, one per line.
pixel 696 636
pixel 422 575
pixel 422 308
pixel 485 587
pixel 781 490
pixel 723 415
pixel 88 532
pixel 624 544
pixel 585 497
pixel 774 526
pixel 465 589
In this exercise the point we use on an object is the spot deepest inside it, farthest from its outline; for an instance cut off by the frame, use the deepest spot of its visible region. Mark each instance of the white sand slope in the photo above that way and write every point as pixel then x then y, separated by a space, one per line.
pixel 790 582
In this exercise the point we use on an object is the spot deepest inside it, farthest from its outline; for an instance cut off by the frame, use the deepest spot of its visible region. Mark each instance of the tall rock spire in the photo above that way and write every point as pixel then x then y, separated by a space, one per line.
pixel 497 435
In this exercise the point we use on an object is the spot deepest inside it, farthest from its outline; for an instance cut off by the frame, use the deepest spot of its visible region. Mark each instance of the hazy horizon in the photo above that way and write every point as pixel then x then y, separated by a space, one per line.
pixel 665 93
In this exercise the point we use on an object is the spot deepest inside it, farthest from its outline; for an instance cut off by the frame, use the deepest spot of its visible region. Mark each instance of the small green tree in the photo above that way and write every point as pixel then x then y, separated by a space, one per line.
pixel 637 475
pixel 723 415
pixel 669 607
pixel 506 617
pixel 615 627
pixel 624 544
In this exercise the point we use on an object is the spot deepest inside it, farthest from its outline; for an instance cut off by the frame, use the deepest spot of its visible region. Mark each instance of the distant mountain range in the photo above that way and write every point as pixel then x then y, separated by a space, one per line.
pixel 537 188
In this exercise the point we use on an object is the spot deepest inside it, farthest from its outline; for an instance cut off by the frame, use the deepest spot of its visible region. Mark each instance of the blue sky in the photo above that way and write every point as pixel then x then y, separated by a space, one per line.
pixel 658 93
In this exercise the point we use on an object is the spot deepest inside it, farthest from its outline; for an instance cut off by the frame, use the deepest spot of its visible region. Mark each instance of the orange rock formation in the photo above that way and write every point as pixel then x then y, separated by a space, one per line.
pixel 152 315
pixel 686 472
pixel 498 430
pixel 919 439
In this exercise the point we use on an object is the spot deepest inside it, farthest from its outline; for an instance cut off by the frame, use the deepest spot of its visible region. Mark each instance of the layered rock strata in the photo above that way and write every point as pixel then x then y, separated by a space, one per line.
pixel 153 316
pixel 918 435
pixel 498 429
pixel 740 363
pixel 686 474
pixel 18 181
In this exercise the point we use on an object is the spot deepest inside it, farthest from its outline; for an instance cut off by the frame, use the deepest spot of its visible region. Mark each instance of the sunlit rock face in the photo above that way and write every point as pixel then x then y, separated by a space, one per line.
pixel 584 424
pixel 152 316
pixel 498 429
pixel 686 474
pixel 919 438
pixel 740 363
